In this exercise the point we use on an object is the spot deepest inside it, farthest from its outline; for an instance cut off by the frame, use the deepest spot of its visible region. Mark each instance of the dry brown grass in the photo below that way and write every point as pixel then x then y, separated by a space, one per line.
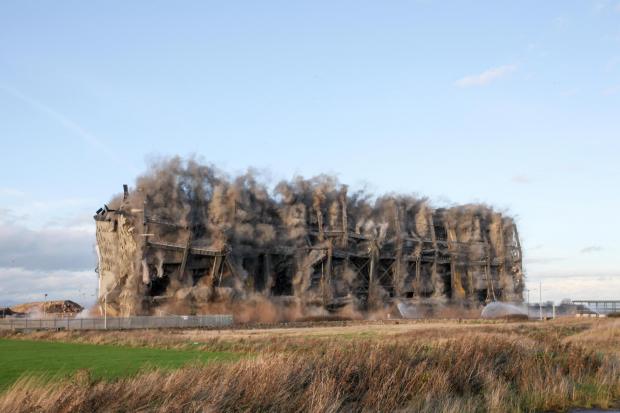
pixel 260 339
pixel 279 337
pixel 461 367
pixel 603 336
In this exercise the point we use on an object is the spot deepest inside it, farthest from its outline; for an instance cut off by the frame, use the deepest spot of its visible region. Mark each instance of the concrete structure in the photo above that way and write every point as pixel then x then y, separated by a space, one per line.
pixel 181 241
pixel 597 307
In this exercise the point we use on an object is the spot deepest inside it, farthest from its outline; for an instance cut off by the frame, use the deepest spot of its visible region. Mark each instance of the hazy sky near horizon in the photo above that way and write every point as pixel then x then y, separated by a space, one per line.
pixel 514 104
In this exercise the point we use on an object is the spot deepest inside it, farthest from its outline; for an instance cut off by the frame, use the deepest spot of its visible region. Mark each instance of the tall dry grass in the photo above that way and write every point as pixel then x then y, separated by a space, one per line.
pixel 476 372
pixel 261 338
pixel 294 336
pixel 603 336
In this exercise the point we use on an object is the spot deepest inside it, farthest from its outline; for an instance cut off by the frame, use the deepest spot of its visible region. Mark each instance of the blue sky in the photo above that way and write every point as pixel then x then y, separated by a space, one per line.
pixel 516 104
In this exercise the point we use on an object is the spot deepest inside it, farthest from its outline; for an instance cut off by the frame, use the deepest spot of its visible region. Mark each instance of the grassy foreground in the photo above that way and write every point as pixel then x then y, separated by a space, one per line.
pixel 54 360
pixel 429 367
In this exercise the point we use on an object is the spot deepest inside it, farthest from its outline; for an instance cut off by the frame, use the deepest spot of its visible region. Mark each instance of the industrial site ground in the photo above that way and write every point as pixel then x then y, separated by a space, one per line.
pixel 394 365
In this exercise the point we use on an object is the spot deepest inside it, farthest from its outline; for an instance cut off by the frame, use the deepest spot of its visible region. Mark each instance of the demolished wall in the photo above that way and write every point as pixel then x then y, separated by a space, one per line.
pixel 189 239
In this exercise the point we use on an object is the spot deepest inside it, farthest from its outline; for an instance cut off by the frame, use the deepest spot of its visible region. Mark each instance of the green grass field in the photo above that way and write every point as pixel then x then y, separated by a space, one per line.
pixel 57 359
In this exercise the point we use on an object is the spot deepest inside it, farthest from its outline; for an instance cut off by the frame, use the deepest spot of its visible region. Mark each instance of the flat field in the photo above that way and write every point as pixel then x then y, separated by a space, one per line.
pixel 433 366
pixel 54 360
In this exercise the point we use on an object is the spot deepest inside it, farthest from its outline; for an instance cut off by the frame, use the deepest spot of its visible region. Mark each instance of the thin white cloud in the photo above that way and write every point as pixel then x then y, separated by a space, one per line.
pixel 8 216
pixel 58 259
pixel 591 248
pixel 20 285
pixel 486 77
pixel 521 179
pixel 612 64
pixel 11 192
pixel 85 135
pixel 612 90
pixel 600 5
pixel 543 260
pixel 62 248
pixel 569 92
pixel 556 287
pixel 560 22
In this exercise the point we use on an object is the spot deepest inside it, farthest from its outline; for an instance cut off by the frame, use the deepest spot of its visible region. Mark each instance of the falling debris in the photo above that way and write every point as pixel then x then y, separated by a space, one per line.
pixel 189 240
pixel 65 308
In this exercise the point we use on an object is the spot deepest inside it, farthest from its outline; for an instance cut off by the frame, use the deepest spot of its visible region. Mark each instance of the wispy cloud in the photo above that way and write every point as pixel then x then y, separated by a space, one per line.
pixel 560 22
pixel 543 260
pixel 601 5
pixel 557 286
pixel 69 248
pixel 8 216
pixel 611 64
pixel 612 90
pixel 486 77
pixel 535 247
pixel 591 248
pixel 69 124
pixel 11 192
pixel 521 179
pixel 58 259
pixel 19 285
pixel 569 92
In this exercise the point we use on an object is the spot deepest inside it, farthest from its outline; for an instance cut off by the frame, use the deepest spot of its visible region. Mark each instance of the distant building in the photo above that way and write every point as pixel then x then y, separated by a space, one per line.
pixel 568 308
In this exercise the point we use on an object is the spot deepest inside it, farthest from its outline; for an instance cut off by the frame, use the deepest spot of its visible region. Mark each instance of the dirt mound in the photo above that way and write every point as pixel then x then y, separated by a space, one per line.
pixel 64 307
pixel 7 312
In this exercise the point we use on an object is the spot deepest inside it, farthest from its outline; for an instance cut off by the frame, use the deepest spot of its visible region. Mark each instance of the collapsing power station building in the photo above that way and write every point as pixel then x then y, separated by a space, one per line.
pixel 188 239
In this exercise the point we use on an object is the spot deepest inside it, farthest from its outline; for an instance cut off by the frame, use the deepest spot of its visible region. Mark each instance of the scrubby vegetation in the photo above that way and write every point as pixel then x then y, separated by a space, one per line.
pixel 446 367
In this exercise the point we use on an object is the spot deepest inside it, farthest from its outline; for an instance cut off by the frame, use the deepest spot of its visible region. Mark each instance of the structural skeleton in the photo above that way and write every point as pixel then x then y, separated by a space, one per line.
pixel 188 236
